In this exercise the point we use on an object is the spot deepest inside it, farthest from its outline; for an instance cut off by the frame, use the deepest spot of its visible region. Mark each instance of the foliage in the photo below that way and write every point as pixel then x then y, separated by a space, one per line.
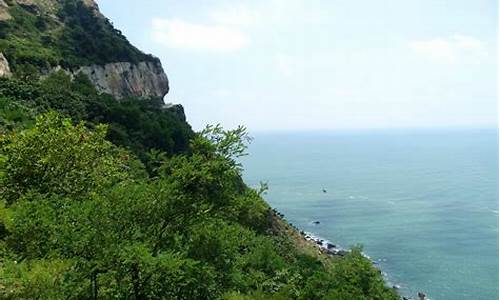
pixel 88 38
pixel 13 115
pixel 57 157
pixel 136 124
pixel 38 279
pixel 78 36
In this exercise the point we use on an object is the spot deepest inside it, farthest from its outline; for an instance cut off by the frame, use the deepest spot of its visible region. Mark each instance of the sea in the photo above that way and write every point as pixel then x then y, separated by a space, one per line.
pixel 422 203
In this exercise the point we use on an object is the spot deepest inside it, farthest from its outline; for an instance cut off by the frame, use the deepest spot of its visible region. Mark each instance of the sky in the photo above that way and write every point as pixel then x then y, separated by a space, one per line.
pixel 274 65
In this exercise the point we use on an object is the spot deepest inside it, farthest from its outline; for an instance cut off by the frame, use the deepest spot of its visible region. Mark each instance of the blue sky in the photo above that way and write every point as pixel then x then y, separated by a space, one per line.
pixel 305 65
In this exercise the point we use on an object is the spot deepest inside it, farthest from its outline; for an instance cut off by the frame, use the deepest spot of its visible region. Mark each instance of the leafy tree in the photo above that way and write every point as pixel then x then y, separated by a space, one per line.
pixel 57 157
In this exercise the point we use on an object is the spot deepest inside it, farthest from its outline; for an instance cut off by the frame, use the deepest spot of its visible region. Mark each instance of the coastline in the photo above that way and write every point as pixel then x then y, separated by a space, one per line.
pixel 329 249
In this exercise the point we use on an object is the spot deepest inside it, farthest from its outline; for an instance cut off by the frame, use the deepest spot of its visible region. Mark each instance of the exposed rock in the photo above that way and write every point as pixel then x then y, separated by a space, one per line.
pixel 4 66
pixel 4 11
pixel 91 3
pixel 93 6
pixel 124 79
pixel 29 5
pixel 36 7
pixel 26 2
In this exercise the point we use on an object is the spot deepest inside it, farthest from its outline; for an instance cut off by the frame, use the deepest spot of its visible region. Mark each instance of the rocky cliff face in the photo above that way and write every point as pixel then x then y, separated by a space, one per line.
pixel 121 80
pixel 124 79
pixel 131 73
pixel 35 6
pixel 4 66
pixel 4 14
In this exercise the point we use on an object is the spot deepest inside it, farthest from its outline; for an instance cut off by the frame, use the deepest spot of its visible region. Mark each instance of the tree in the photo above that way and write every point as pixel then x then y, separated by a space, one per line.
pixel 58 157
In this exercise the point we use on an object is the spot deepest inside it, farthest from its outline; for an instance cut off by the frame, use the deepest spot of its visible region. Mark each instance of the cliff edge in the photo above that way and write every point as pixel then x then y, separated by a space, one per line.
pixel 74 36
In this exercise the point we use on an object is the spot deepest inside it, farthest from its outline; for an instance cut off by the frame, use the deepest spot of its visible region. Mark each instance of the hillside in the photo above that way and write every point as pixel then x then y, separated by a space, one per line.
pixel 66 56
pixel 42 36
pixel 106 193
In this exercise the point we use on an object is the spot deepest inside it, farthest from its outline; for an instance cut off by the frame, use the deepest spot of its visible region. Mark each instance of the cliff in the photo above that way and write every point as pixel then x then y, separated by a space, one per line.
pixel 52 35
pixel 124 79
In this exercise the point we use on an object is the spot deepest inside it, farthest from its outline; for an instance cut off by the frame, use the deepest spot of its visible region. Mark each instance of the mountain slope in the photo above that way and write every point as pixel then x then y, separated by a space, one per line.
pixel 86 65
pixel 40 36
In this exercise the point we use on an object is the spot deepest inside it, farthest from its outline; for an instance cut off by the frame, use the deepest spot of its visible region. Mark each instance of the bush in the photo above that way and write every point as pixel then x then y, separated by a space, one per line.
pixel 57 157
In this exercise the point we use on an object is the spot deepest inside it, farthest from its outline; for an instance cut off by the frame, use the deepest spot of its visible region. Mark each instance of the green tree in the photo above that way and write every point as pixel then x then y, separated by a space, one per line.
pixel 58 157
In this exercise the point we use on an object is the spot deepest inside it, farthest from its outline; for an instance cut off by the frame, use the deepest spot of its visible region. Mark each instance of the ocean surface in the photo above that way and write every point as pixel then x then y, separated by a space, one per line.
pixel 423 203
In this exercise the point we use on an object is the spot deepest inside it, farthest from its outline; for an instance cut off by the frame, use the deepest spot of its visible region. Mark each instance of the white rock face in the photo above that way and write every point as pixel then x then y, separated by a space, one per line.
pixel 4 66
pixel 123 79
pixel 4 14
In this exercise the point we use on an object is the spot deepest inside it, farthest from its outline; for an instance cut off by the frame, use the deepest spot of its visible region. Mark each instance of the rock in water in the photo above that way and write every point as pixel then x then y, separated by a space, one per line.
pixel 330 246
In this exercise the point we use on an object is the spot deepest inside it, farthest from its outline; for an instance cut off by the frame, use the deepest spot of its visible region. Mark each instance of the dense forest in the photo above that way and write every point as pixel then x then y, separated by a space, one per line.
pixel 108 199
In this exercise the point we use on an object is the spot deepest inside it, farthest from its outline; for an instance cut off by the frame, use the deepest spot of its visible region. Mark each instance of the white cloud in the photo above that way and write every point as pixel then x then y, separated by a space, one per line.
pixel 454 49
pixel 177 33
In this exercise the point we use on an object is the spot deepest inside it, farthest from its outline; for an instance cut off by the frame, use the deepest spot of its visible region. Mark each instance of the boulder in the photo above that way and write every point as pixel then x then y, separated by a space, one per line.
pixel 330 246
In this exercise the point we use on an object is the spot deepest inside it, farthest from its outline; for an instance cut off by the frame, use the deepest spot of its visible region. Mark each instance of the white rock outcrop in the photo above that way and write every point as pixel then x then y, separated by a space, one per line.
pixel 4 66
pixel 4 11
pixel 124 79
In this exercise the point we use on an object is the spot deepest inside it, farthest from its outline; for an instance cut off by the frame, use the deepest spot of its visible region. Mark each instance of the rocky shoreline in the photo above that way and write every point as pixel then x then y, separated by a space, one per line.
pixel 324 246
pixel 329 248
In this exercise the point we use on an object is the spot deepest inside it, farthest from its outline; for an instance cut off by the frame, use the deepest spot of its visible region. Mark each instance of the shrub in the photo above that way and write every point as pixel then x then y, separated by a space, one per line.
pixel 57 157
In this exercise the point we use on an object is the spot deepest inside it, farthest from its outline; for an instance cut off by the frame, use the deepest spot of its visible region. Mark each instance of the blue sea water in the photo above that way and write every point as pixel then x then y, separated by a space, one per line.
pixel 423 203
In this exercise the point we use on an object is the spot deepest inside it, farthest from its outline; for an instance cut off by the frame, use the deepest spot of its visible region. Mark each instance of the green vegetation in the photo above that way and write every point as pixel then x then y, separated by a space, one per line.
pixel 70 34
pixel 81 219
pixel 136 124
